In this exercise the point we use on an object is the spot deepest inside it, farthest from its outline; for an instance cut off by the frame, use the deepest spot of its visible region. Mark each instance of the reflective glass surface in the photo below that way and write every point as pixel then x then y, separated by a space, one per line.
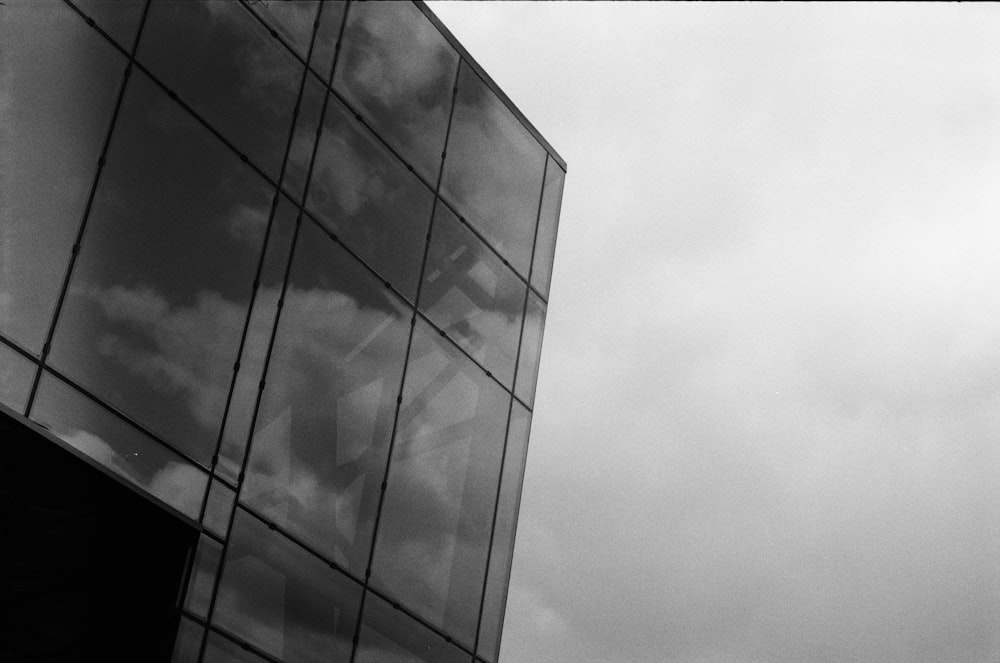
pixel 323 430
pixel 397 70
pixel 220 649
pixel 292 19
pixel 157 302
pixel 331 14
pixel 59 90
pixel 284 600
pixel 119 18
pixel 470 294
pixel 219 508
pixel 493 171
pixel 219 59
pixel 531 347
pixel 188 642
pixel 201 583
pixel 361 192
pixel 390 636
pixel 304 139
pixel 241 405
pixel 435 526
pixel 494 598
pixel 548 224
pixel 112 442
pixel 16 374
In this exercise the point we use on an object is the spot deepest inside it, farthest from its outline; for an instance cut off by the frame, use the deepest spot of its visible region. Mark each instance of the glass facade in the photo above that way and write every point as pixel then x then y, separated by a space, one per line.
pixel 283 267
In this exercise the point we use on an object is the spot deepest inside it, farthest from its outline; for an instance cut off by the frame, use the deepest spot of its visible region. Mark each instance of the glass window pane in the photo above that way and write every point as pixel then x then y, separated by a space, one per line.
pixel 219 508
pixel 58 101
pixel 493 172
pixel 435 526
pixel 398 70
pixel 261 325
pixel 201 584
pixel 188 643
pixel 226 65
pixel 292 19
pixel 365 195
pixel 548 224
pixel 220 649
pixel 324 46
pixel 119 18
pixel 470 294
pixel 16 375
pixel 112 442
pixel 284 600
pixel 154 313
pixel 495 596
pixel 390 636
pixel 322 434
pixel 531 348
pixel 304 140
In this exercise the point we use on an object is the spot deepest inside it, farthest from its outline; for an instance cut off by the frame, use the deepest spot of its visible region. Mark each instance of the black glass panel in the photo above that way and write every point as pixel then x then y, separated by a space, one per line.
pixel 361 192
pixel 188 643
pixel 284 600
pixel 201 583
pixel 16 374
pixel 265 305
pixel 155 309
pixel 495 596
pixel 323 430
pixel 470 294
pixel 219 59
pixel 493 172
pixel 397 70
pixel 304 140
pixel 292 19
pixel 389 635
pixel 218 508
pixel 324 46
pixel 531 348
pixel 548 224
pixel 109 440
pixel 435 526
pixel 58 99
pixel 119 18
pixel 220 649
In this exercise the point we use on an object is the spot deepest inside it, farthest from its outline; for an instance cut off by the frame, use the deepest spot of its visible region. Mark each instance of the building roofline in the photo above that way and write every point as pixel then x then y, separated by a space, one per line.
pixel 489 81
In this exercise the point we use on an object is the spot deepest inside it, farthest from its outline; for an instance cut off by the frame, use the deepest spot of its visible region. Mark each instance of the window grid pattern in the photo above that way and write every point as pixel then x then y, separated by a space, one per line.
pixel 326 73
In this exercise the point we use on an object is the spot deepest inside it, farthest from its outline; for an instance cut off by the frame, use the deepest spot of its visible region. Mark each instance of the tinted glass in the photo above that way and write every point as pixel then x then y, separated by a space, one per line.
pixel 219 59
pixel 470 294
pixel 495 596
pixel 361 192
pixel 323 430
pixel 304 140
pixel 203 573
pixel 156 307
pixel 16 374
pixel 261 324
pixel 284 600
pixel 219 508
pixel 188 642
pixel 548 224
pixel 330 18
pixel 493 172
pixel 435 526
pixel 219 649
pixel 119 18
pixel 59 95
pixel 292 19
pixel 531 348
pixel 112 442
pixel 390 636
pixel 397 70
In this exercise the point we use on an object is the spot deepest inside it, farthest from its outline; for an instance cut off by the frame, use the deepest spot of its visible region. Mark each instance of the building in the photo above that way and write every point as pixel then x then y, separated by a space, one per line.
pixel 273 279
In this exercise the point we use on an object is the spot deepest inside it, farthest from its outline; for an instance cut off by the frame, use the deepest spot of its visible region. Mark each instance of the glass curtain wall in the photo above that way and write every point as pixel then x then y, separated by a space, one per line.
pixel 285 266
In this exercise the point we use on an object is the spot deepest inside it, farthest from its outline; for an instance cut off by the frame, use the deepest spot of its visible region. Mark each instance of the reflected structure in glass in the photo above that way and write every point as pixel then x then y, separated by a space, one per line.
pixel 283 599
pixel 220 649
pixel 218 508
pixel 362 193
pixel 398 71
pixel 502 549
pixel 157 302
pixel 323 430
pixel 292 19
pixel 493 171
pixel 388 635
pixel 331 15
pixel 123 449
pixel 58 102
pixel 470 294
pixel 531 348
pixel 16 375
pixel 219 59
pixel 435 526
pixel 188 642
pixel 201 582
pixel 548 225
pixel 304 139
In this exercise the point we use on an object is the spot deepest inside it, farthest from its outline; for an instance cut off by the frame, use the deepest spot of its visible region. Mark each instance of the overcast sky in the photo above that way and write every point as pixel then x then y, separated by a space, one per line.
pixel 768 410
